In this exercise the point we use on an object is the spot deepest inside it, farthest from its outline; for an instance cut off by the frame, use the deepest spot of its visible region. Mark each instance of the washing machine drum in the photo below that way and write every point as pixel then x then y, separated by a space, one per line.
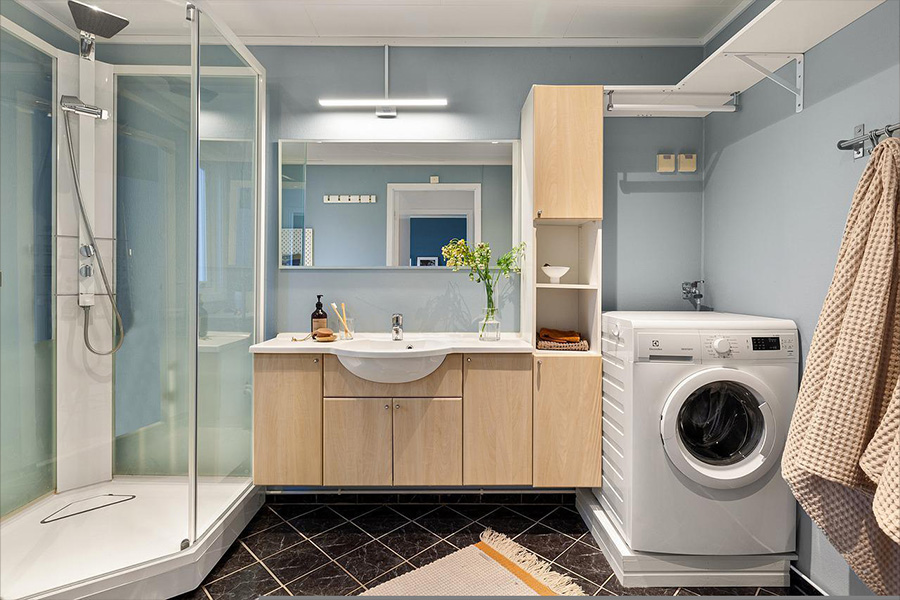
pixel 719 430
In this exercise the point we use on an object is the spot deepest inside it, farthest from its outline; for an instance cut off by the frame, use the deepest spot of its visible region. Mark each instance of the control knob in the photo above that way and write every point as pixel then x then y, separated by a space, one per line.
pixel 721 346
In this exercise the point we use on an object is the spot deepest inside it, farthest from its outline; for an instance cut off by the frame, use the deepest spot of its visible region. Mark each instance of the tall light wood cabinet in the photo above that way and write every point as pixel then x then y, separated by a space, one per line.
pixel 567 421
pixel 497 419
pixel 287 419
pixel 358 438
pixel 563 150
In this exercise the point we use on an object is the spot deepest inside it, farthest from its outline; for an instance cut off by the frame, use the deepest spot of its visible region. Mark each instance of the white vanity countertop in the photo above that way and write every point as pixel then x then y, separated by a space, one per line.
pixel 451 343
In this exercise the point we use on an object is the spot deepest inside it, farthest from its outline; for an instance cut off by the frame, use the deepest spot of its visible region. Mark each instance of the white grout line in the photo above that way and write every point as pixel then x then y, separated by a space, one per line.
pixel 264 566
pixel 335 562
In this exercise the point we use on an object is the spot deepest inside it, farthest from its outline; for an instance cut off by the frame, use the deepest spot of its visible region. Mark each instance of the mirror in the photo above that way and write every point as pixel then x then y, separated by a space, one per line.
pixel 390 204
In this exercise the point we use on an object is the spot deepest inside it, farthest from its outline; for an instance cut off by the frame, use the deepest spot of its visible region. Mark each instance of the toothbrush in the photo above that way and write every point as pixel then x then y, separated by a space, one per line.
pixel 344 311
pixel 344 323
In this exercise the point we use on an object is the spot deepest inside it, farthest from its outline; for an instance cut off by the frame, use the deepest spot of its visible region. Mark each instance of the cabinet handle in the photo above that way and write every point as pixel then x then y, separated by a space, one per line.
pixel 397 406
pixel 540 362
pixel 539 213
pixel 387 406
pixel 316 361
pixel 468 360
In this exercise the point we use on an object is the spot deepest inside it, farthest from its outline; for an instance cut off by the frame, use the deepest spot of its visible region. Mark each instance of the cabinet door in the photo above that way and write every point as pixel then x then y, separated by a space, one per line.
pixel 497 416
pixel 445 382
pixel 568 151
pixel 357 441
pixel 567 426
pixel 287 419
pixel 428 441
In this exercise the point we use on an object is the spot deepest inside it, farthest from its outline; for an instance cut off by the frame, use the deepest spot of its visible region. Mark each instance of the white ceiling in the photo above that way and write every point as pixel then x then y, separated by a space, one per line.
pixel 427 22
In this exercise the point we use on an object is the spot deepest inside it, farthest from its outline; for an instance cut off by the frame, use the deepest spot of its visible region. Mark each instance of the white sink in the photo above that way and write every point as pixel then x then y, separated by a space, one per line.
pixel 387 361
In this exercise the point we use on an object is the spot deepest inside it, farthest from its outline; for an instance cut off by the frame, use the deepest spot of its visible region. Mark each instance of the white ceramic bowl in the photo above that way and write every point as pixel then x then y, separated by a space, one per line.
pixel 555 273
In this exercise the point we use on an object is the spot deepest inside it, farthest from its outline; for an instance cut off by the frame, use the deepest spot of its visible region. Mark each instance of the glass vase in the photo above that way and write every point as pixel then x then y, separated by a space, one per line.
pixel 489 326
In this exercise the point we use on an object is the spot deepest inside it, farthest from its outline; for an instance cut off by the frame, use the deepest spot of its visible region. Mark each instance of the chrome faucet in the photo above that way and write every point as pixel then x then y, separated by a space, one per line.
pixel 692 291
pixel 397 327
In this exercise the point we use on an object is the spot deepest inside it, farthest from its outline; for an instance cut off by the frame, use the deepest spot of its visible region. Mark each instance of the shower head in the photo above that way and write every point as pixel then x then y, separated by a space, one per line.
pixel 95 21
pixel 74 105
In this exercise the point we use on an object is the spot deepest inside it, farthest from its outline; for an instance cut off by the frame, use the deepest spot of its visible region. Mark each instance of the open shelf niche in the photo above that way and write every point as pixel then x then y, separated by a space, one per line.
pixel 574 303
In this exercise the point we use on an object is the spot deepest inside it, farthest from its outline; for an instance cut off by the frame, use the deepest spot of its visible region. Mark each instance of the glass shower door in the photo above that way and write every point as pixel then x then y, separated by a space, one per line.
pixel 27 453
pixel 226 310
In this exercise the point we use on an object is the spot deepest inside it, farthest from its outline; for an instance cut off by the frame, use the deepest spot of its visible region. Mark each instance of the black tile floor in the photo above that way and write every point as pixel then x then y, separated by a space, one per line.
pixel 343 545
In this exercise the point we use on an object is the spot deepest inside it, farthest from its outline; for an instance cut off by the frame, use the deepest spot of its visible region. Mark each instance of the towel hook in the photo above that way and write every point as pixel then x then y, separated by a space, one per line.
pixel 873 135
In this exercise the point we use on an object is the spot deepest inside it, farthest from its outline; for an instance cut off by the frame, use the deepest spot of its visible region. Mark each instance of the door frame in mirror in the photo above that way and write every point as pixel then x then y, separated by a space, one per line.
pixel 392 259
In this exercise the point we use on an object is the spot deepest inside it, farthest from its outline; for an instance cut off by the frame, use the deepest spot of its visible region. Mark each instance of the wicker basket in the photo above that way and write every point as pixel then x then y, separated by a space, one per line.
pixel 581 346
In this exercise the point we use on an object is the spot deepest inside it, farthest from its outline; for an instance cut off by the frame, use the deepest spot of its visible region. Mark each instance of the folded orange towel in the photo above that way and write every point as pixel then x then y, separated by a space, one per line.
pixel 558 335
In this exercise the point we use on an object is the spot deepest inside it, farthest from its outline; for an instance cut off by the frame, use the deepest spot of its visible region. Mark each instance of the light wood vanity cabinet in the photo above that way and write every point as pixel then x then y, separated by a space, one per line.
pixel 393 441
pixel 567 421
pixel 489 420
pixel 562 143
pixel 497 419
pixel 428 441
pixel 287 419
pixel 358 441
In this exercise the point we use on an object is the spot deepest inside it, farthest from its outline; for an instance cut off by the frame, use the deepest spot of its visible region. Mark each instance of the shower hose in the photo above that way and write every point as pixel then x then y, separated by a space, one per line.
pixel 90 234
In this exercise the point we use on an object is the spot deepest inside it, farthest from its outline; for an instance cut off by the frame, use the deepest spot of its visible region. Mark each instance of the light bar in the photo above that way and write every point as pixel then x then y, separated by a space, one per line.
pixel 374 102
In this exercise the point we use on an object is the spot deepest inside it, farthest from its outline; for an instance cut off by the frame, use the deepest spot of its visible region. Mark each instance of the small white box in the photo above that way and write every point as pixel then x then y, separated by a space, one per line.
pixel 354 198
pixel 435 179
pixel 345 198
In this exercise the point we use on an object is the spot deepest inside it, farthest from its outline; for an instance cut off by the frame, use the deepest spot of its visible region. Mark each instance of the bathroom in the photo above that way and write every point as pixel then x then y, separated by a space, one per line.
pixel 192 248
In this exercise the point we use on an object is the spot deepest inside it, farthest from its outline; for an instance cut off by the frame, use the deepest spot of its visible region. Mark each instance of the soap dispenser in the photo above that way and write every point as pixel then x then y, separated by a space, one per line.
pixel 319 318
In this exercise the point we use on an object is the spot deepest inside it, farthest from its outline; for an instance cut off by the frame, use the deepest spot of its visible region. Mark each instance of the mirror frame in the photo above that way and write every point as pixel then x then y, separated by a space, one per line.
pixel 516 217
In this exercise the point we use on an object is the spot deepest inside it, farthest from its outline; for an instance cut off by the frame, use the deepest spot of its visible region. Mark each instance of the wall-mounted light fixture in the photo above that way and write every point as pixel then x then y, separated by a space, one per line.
pixel 384 107
pixel 650 110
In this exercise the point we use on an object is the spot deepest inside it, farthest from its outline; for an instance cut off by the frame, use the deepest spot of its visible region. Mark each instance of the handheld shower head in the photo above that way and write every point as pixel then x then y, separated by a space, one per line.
pixel 74 105
pixel 96 21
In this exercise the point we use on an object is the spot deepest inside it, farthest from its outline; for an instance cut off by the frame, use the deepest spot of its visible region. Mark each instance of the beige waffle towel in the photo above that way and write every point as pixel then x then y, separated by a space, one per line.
pixel 842 458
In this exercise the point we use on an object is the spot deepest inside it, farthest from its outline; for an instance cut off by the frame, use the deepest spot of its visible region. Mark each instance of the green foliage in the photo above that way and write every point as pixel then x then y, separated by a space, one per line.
pixel 459 255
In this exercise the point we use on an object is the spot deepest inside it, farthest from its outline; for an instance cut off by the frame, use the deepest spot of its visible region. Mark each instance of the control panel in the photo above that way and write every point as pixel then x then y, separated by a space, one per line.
pixel 749 346
pixel 716 346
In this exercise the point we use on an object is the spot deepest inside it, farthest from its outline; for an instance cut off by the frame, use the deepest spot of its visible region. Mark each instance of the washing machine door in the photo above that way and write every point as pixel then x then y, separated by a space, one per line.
pixel 718 428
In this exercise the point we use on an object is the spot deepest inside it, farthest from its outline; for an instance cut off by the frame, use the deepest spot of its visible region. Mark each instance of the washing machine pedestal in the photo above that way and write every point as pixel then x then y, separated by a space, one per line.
pixel 645 569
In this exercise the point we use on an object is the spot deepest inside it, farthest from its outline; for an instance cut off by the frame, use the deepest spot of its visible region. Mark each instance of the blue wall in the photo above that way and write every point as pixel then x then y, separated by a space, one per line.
pixel 355 234
pixel 486 88
pixel 777 194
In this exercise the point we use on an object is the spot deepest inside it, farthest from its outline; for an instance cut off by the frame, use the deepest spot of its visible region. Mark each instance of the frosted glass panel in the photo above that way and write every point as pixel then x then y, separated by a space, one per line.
pixel 152 203
pixel 27 453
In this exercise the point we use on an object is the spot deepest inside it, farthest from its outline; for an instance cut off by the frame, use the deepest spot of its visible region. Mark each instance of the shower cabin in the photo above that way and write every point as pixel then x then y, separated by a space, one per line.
pixel 131 185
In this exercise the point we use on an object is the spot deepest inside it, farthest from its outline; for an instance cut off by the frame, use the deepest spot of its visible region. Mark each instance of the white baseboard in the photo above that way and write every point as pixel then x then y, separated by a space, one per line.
pixel 644 569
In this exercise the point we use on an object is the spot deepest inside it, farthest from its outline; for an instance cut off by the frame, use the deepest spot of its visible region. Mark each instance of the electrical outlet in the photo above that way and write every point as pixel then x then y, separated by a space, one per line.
pixel 665 163
pixel 687 163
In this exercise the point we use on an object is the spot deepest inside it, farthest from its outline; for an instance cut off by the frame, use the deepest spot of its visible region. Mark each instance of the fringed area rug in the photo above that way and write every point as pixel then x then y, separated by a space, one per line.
pixel 495 566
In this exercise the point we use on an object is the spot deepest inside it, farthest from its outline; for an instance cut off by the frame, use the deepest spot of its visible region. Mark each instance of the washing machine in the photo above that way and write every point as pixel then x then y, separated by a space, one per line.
pixel 696 409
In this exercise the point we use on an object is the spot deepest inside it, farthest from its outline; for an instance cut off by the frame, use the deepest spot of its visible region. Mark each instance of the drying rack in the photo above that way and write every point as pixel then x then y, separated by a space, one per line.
pixel 858 142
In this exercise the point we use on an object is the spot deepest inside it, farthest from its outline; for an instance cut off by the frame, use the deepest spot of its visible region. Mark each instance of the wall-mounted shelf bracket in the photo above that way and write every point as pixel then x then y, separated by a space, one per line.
pixel 797 89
